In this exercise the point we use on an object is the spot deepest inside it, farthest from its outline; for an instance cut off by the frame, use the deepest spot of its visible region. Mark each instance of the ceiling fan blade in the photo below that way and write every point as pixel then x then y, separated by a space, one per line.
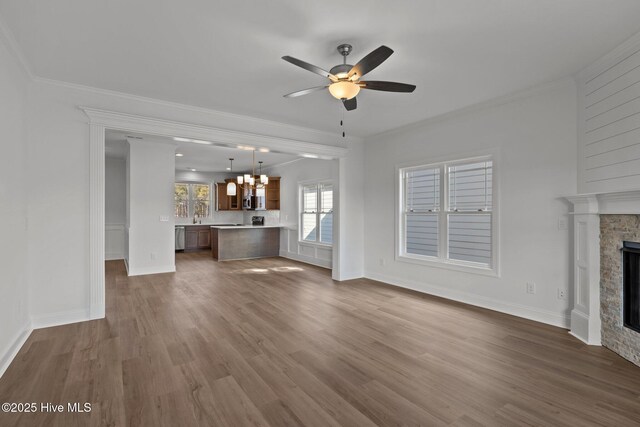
pixel 350 104
pixel 371 61
pixel 305 91
pixel 310 67
pixel 387 86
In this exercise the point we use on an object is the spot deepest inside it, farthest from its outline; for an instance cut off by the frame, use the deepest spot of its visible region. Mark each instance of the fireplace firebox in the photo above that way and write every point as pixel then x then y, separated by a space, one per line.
pixel 631 285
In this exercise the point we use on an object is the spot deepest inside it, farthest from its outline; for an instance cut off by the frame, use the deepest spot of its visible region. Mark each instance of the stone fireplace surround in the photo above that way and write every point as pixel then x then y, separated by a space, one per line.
pixel 601 223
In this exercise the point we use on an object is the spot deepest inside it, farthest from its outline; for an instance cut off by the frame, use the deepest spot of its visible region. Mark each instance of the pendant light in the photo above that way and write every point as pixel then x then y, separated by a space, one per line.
pixel 231 186
pixel 264 179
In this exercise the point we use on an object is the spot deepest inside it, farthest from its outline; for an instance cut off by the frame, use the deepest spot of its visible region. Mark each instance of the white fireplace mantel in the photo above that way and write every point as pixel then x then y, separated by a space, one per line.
pixel 587 208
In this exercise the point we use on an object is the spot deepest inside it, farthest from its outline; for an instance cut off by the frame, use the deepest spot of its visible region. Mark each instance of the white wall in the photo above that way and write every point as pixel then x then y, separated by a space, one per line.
pixel 151 179
pixel 536 140
pixel 349 258
pixel 59 158
pixel 115 205
pixel 292 175
pixel 14 307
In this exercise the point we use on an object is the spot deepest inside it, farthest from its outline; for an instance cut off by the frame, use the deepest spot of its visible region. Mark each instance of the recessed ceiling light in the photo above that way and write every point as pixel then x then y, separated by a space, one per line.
pixel 228 169
pixel 264 150
pixel 310 156
pixel 175 138
pixel 192 170
pixel 199 141
pixel 179 154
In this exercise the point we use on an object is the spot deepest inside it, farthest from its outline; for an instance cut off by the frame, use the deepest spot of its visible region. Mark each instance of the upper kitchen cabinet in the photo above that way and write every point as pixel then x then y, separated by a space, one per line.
pixel 224 202
pixel 272 194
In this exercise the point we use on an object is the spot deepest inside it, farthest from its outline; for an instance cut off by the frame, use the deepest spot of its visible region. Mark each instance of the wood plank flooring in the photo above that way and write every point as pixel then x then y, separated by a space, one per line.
pixel 274 342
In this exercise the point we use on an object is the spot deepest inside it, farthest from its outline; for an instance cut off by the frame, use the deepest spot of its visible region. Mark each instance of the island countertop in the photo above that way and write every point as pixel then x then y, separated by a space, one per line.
pixel 226 227
pixel 244 241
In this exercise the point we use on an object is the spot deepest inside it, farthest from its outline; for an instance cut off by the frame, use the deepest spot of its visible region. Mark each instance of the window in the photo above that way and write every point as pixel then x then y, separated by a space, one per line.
pixel 192 199
pixel 447 213
pixel 316 213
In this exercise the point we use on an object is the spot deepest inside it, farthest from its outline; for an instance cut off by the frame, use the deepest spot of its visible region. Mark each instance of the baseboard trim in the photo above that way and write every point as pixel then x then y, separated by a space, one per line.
pixel 59 318
pixel 113 257
pixel 12 351
pixel 306 259
pixel 530 313
pixel 151 270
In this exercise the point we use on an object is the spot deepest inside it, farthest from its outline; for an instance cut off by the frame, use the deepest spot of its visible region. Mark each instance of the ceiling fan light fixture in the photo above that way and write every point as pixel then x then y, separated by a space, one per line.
pixel 344 89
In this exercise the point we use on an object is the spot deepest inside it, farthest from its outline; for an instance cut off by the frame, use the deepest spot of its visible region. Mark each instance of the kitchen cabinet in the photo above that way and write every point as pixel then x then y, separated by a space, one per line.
pixel 224 202
pixel 197 237
pixel 272 194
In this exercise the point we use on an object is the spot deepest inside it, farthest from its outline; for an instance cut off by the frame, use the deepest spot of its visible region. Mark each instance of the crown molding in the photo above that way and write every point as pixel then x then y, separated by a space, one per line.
pixel 491 103
pixel 602 64
pixel 218 136
pixel 191 108
pixel 10 41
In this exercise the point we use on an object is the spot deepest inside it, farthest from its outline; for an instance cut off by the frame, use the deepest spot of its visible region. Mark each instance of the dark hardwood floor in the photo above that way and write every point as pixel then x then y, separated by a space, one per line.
pixel 275 342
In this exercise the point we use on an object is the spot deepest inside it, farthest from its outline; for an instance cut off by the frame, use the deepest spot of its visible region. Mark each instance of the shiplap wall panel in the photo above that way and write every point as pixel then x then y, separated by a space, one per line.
pixel 613 144
pixel 618 69
pixel 613 100
pixel 612 157
pixel 609 105
pixel 608 118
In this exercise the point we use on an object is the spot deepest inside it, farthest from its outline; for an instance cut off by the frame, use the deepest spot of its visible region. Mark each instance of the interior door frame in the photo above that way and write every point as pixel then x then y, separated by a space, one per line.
pixel 101 120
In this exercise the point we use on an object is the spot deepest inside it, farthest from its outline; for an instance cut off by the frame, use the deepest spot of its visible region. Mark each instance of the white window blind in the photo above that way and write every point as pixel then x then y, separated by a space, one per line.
pixel 422 200
pixel 316 216
pixel 453 222
pixel 470 191
pixel 309 212
pixel 423 190
pixel 470 186
pixel 326 213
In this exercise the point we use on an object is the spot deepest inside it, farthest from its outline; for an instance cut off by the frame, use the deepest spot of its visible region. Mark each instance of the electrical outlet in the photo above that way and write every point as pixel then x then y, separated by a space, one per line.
pixel 153 255
pixel 531 288
pixel 164 218
pixel 562 293
pixel 382 261
pixel 563 223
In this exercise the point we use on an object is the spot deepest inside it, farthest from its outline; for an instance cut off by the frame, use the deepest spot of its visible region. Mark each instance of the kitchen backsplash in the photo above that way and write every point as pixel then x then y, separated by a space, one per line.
pixel 219 217
pixel 270 217
pixel 235 217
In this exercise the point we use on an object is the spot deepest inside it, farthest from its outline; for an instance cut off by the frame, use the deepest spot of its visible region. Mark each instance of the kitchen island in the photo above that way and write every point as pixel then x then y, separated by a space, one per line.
pixel 244 241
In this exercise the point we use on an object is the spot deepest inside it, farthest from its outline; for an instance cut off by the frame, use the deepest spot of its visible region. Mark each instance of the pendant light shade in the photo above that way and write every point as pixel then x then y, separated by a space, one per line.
pixel 264 179
pixel 240 179
pixel 246 177
pixel 231 186
pixel 252 181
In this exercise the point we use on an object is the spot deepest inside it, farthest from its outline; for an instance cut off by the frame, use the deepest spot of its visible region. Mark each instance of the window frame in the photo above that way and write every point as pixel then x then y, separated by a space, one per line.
pixel 443 213
pixel 318 212
pixel 191 198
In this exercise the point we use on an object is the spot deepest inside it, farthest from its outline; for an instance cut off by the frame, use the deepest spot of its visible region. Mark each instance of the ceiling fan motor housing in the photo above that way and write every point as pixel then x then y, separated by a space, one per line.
pixel 341 70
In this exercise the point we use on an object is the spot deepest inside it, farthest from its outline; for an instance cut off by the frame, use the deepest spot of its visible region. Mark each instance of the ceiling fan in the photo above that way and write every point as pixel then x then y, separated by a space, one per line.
pixel 345 78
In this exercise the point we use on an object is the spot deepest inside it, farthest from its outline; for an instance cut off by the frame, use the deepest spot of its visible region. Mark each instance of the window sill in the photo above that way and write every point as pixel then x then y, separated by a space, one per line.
pixel 449 265
pixel 315 244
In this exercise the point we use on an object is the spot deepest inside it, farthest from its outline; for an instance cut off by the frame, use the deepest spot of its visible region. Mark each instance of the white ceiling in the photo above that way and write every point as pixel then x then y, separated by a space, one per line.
pixel 225 55
pixel 203 158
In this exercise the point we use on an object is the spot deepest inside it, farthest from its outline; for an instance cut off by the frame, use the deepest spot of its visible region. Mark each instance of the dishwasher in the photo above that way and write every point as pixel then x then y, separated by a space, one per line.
pixel 179 238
